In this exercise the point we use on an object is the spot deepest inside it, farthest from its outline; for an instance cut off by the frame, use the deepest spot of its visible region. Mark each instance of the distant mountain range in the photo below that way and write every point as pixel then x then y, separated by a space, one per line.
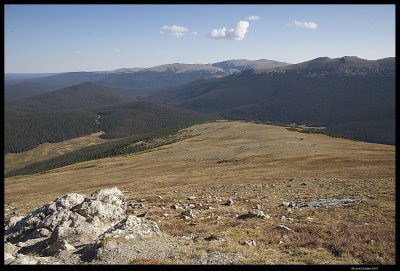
pixel 137 82
pixel 350 65
pixel 351 96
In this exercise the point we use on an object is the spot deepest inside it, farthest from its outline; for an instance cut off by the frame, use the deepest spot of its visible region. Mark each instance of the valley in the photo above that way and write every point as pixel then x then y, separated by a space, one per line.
pixel 50 150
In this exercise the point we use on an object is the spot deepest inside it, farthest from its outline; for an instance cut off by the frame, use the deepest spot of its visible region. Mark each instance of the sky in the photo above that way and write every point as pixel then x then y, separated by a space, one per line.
pixel 66 38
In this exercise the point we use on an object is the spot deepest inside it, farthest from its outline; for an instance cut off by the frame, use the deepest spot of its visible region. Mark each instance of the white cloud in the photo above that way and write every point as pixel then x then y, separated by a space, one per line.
pixel 77 52
pixel 237 33
pixel 253 18
pixel 176 31
pixel 304 24
pixel 195 33
pixel 161 32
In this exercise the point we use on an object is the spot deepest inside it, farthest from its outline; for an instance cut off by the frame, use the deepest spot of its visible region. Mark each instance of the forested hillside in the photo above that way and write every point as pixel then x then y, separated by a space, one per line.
pixel 26 131
pixel 136 118
pixel 81 110
pixel 349 96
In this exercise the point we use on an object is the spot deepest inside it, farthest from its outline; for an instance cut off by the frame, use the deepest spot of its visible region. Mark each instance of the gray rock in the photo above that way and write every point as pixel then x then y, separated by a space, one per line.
pixel 282 228
pixel 8 258
pixel 285 203
pixel 60 227
pixel 286 219
pixel 257 213
pixel 325 203
pixel 136 205
pixel 58 246
pixel 229 202
pixel 41 232
pixel 132 227
pixel 107 204
pixel 10 248
pixel 250 242
pixel 188 213
pixel 24 260
pixel 176 206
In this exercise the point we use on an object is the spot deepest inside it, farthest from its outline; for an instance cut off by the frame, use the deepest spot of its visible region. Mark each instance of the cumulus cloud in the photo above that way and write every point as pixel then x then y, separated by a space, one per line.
pixel 237 33
pixel 253 18
pixel 176 31
pixel 195 33
pixel 307 25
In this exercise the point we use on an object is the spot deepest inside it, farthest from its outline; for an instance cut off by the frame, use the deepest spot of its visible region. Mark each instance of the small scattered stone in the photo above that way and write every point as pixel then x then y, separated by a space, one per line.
pixel 188 213
pixel 176 206
pixel 191 197
pixel 286 219
pixel 257 213
pixel 212 237
pixel 285 203
pixel 250 242
pixel 282 228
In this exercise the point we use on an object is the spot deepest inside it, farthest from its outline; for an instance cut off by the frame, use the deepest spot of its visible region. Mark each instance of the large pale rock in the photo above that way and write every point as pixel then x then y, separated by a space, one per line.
pixel 75 218
pixel 96 223
pixel 10 248
pixel 108 205
pixel 57 246
pixel 43 217
pixel 8 258
pixel 132 227
pixel 24 260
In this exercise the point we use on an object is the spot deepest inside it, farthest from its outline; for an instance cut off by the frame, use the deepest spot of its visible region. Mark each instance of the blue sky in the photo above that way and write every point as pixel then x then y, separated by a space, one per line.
pixel 61 38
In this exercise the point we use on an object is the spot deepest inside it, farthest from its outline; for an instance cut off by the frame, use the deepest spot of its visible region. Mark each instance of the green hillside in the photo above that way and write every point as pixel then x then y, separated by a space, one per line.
pixel 348 95
pixel 84 109
pixel 139 117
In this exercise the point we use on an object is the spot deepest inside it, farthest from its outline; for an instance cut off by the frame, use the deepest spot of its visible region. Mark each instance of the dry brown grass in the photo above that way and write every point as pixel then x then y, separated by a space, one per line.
pixel 50 150
pixel 268 156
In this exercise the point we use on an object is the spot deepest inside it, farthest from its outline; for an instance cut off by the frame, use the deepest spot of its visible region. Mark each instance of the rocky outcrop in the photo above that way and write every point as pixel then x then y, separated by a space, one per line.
pixel 322 203
pixel 77 221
